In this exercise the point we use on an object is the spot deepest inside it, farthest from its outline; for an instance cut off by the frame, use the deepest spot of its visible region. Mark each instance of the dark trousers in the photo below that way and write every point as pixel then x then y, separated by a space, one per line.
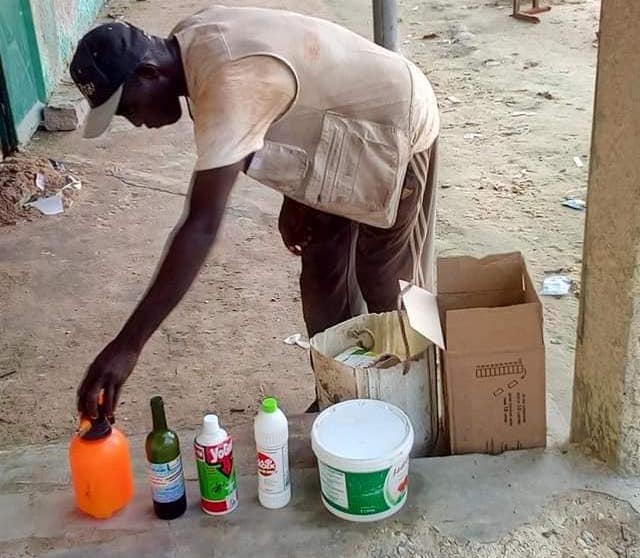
pixel 349 268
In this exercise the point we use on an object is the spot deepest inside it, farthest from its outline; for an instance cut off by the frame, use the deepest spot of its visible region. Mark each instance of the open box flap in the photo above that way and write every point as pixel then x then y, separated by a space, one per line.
pixel 466 274
pixel 422 311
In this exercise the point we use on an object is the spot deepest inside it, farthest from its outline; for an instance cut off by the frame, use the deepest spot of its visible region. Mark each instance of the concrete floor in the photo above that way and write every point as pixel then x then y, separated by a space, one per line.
pixel 473 505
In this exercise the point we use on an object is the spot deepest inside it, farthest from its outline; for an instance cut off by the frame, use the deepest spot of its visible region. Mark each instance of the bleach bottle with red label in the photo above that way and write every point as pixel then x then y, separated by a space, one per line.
pixel 272 446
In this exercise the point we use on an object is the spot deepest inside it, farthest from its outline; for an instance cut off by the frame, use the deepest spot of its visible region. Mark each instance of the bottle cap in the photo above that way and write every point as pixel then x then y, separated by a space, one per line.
pixel 99 428
pixel 270 405
pixel 210 425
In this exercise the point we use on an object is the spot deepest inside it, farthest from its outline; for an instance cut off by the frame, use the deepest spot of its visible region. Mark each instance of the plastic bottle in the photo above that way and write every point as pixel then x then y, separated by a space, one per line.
pixel 272 448
pixel 216 470
pixel 101 469
pixel 165 466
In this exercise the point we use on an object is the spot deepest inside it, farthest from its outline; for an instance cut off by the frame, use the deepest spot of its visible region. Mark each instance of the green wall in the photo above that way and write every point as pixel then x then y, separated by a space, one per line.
pixel 23 87
pixel 59 24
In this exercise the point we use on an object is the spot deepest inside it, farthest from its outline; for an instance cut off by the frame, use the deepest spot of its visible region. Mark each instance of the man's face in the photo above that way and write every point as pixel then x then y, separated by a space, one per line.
pixel 149 99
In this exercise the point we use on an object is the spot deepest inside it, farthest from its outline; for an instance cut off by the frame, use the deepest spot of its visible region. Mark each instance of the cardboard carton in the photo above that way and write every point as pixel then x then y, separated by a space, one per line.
pixel 487 319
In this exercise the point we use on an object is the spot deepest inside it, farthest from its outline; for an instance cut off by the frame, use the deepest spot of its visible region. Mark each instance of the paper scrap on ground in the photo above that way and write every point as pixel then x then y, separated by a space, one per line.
pixel 40 181
pixel 51 205
pixel 73 183
pixel 578 162
pixel 580 205
pixel 556 285
pixel 299 340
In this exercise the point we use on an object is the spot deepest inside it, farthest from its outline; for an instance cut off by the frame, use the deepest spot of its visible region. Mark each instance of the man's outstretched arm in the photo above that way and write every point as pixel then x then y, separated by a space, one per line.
pixel 186 251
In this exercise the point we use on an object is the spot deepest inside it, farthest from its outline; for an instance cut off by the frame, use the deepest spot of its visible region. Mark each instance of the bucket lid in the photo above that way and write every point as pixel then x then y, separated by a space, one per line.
pixel 361 434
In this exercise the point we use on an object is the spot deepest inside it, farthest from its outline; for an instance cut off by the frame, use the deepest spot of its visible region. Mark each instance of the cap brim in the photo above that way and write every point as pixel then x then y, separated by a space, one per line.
pixel 100 117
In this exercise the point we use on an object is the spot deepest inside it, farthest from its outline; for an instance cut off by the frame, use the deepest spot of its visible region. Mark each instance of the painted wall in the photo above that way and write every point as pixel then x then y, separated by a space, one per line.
pixel 59 24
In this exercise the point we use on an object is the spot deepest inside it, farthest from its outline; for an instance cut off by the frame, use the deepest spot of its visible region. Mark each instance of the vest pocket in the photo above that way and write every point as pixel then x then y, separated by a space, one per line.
pixel 358 170
pixel 280 166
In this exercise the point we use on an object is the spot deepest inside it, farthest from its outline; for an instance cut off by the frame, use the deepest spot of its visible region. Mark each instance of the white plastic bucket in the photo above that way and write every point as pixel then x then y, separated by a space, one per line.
pixel 363 447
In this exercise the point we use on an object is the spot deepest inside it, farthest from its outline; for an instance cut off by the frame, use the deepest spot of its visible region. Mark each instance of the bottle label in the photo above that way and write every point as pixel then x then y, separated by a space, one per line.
pixel 273 470
pixel 167 481
pixel 217 476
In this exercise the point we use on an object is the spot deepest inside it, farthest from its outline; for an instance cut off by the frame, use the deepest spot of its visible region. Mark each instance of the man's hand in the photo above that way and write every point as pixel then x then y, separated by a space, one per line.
pixel 107 373
pixel 294 226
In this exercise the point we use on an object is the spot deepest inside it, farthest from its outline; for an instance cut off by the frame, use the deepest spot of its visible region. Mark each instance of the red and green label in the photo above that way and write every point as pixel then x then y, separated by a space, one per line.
pixel 217 476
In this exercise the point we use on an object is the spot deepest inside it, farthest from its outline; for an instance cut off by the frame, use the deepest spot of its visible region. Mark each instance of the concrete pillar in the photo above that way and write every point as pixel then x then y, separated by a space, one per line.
pixel 606 395
pixel 385 23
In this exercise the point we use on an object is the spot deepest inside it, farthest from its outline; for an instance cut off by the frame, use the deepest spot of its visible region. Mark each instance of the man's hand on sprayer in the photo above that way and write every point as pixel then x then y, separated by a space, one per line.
pixel 106 375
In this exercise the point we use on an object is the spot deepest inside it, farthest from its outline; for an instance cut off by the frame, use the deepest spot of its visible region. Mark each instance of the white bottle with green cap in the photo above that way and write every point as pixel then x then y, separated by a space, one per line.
pixel 272 451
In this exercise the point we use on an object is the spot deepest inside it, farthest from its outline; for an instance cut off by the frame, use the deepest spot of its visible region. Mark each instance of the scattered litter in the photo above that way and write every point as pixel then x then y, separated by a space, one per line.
pixel 573 203
pixel 520 113
pixel 471 135
pixel 428 36
pixel 578 162
pixel 57 165
pixel 546 95
pixel 7 374
pixel 51 205
pixel 299 340
pixel 454 100
pixel 555 341
pixel 237 410
pixel 72 184
pixel 40 181
pixel 492 62
pixel 556 285
pixel 25 179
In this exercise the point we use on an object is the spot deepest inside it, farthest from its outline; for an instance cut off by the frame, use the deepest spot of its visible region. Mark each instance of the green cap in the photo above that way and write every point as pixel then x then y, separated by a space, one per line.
pixel 270 405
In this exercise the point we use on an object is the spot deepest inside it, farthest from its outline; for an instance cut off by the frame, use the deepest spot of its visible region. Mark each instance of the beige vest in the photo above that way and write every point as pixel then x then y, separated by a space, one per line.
pixel 344 144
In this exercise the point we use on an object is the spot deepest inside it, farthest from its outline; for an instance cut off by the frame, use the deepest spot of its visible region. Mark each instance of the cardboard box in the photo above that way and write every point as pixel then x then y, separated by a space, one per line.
pixel 487 319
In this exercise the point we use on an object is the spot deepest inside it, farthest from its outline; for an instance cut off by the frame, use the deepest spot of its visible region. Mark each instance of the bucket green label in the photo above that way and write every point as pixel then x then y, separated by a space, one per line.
pixel 365 493
pixel 217 476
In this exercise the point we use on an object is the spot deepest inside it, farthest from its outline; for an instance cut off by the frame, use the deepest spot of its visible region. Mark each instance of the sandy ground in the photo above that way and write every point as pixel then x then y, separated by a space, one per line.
pixel 577 525
pixel 68 282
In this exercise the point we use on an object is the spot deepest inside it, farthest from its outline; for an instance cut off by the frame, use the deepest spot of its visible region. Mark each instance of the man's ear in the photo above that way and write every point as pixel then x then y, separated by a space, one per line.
pixel 147 71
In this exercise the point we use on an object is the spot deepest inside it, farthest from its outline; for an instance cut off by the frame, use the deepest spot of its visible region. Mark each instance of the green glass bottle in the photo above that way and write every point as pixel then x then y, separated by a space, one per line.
pixel 165 466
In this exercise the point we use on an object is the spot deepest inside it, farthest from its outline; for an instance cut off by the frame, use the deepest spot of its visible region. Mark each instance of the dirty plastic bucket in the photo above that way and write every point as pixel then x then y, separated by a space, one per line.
pixel 410 385
pixel 363 447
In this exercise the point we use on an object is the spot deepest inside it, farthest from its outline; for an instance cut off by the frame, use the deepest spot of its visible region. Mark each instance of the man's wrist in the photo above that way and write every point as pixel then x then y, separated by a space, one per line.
pixel 131 339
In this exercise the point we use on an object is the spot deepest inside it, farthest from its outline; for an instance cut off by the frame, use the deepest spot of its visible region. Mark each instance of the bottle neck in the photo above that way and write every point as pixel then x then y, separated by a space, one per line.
pixel 157 414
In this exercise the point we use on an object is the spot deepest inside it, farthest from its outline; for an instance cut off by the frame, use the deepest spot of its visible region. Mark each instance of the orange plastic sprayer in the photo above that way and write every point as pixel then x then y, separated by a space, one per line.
pixel 101 469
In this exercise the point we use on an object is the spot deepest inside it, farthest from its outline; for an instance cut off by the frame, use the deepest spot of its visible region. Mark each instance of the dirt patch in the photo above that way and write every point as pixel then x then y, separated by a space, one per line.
pixel 24 179
pixel 575 525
